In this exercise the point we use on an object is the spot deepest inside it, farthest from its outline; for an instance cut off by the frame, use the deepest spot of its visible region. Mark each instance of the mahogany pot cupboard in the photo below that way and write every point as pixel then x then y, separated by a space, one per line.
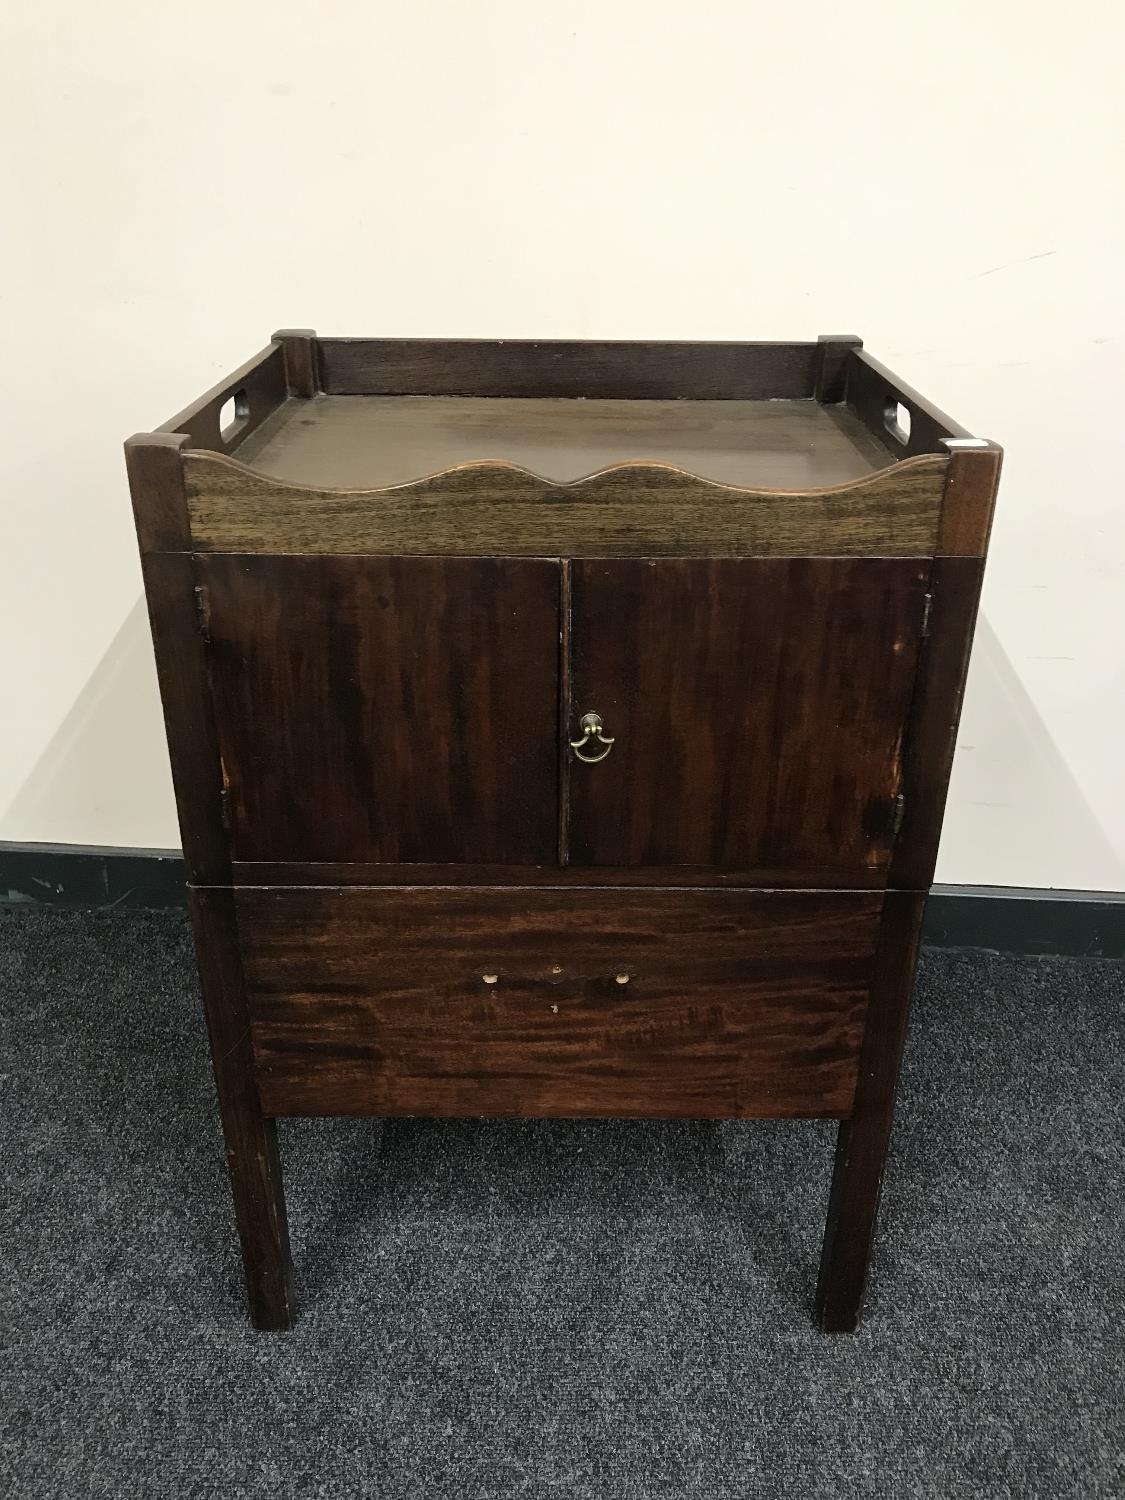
pixel 560 729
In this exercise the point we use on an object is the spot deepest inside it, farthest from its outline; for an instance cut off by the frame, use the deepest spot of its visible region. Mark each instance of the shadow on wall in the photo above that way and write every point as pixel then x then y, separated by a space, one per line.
pixel 1016 815
pixel 104 778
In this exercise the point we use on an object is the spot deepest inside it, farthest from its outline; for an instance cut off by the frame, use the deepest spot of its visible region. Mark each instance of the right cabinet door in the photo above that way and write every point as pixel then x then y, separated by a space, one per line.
pixel 757 709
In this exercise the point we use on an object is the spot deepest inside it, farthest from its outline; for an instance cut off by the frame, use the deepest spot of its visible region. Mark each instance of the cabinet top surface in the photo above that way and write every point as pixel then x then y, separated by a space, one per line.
pixel 355 442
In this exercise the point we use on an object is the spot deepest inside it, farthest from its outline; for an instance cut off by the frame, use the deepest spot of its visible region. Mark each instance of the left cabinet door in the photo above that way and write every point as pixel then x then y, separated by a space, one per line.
pixel 386 709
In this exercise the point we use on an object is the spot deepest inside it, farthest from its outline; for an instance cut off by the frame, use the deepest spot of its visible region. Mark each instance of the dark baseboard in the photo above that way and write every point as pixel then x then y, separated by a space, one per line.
pixel 1075 924
pixel 85 875
pixel 1025 919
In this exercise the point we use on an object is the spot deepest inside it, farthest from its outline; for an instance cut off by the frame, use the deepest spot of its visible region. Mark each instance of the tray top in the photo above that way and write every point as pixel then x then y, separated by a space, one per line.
pixel 372 442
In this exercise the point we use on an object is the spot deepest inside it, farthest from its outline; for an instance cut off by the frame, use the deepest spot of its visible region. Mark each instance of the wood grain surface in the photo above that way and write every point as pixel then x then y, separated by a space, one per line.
pixel 967 506
pixel 589 368
pixel 393 709
pixel 757 708
pixel 374 442
pixel 632 510
pixel 565 1003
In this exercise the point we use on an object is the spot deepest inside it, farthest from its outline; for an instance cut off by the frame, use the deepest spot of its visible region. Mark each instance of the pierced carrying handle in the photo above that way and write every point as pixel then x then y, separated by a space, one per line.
pixel 591 725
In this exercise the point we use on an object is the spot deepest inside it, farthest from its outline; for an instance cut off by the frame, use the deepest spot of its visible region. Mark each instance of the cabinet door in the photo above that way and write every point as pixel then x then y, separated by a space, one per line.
pixel 757 709
pixel 387 709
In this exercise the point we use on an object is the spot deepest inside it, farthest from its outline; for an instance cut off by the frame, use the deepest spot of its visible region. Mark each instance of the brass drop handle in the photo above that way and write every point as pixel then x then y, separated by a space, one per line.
pixel 591 725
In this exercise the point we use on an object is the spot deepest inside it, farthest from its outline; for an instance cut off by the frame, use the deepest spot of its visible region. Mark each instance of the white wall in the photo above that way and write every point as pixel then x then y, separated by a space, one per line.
pixel 944 180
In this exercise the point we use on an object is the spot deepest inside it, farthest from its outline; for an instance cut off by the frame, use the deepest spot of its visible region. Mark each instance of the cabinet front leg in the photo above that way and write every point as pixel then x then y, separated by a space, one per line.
pixel 250 1136
pixel 849 1234
pixel 861 1146
pixel 259 1207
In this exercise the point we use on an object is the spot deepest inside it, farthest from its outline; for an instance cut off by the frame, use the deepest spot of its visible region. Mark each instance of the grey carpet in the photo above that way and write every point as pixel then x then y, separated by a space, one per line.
pixel 553 1309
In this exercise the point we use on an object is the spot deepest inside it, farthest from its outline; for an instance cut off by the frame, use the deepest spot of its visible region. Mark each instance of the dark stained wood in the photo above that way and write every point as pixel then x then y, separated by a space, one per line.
pixel 861 1148
pixel 757 708
pixel 631 510
pixel 259 387
pixel 154 464
pixel 955 584
pixel 736 1004
pixel 155 477
pixel 872 390
pixel 302 360
pixel 564 711
pixel 378 708
pixel 193 744
pixel 809 877
pixel 970 498
pixel 523 367
pixel 156 482
pixel 832 350
pixel 341 442
pixel 407 895
pixel 251 1138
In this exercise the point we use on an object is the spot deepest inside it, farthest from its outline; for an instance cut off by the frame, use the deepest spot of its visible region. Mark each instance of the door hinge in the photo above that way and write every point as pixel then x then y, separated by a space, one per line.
pixel 927 606
pixel 224 808
pixel 203 611
pixel 900 811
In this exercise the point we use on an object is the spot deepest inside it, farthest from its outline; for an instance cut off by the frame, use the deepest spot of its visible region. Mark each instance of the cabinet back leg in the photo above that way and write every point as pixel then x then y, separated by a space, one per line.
pixel 250 1136
pixel 861 1146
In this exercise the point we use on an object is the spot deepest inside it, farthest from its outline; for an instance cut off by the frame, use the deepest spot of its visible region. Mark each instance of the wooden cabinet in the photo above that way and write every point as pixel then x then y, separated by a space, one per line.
pixel 560 730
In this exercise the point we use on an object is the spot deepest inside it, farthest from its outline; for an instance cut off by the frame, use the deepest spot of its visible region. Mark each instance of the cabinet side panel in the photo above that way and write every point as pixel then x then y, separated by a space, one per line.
pixel 874 392
pixel 155 468
pixel 249 395
pixel 193 746
pixel 956 578
pixel 955 584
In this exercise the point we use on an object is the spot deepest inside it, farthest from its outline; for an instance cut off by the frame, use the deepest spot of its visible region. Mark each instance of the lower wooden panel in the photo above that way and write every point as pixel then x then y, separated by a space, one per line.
pixel 702 1004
